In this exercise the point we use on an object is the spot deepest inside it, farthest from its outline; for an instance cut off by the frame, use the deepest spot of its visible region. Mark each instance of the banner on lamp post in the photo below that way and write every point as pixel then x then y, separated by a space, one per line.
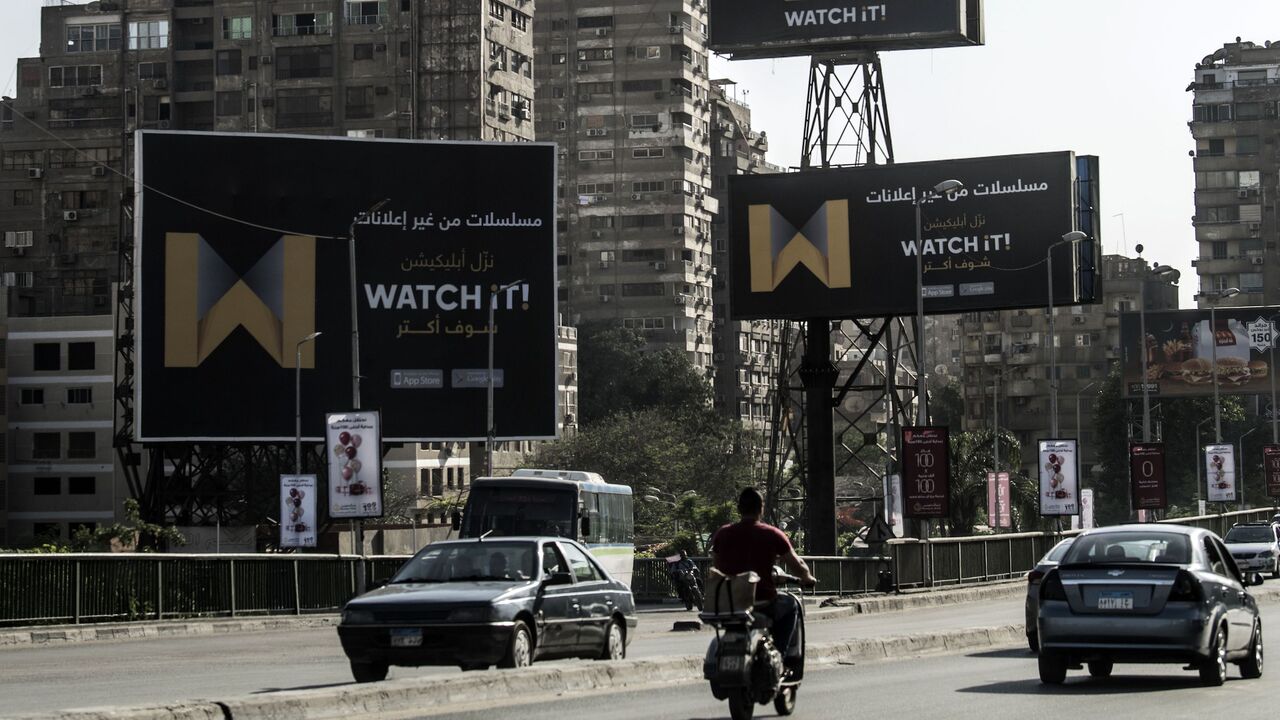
pixel 1146 476
pixel 1271 469
pixel 354 442
pixel 297 511
pixel 893 505
pixel 998 509
pixel 1059 478
pixel 926 472
pixel 1220 472
pixel 1086 509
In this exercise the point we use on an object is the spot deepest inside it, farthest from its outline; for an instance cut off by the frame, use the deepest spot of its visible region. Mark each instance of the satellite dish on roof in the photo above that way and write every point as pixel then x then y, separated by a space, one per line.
pixel 940 369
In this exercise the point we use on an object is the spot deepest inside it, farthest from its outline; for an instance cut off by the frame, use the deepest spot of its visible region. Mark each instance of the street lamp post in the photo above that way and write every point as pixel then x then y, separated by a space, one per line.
pixel 490 430
pixel 1072 237
pixel 1199 462
pixel 357 535
pixel 1079 393
pixel 1275 411
pixel 297 402
pixel 943 188
pixel 652 495
pixel 1213 296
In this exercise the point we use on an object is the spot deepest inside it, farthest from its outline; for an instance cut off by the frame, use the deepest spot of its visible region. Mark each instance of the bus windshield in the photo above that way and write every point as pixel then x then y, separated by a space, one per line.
pixel 510 511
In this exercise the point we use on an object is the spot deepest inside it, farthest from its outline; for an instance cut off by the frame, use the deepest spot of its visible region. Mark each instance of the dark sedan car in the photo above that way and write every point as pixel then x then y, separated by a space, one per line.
pixel 1047 563
pixel 1149 593
pixel 476 603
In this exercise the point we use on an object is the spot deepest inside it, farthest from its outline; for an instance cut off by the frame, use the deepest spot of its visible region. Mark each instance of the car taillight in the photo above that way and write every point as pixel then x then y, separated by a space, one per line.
pixel 1051 587
pixel 1186 588
pixel 1035 576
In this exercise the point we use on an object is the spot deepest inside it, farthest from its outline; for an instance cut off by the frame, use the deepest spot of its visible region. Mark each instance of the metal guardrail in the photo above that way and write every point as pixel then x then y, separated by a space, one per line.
pixel 110 587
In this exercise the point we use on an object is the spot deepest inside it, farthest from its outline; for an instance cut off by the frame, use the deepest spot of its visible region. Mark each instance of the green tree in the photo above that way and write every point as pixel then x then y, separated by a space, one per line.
pixel 946 406
pixel 972 457
pixel 619 373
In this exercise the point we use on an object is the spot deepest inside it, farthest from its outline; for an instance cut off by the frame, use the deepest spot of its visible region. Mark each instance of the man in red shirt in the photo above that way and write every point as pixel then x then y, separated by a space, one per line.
pixel 754 545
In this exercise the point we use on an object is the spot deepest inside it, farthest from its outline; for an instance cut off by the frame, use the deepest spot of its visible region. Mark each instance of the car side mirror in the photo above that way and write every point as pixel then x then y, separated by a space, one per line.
pixel 1253 579
pixel 456 521
pixel 586 527
pixel 559 578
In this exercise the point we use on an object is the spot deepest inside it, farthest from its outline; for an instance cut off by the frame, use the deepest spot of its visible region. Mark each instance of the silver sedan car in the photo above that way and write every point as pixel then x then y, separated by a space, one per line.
pixel 1148 594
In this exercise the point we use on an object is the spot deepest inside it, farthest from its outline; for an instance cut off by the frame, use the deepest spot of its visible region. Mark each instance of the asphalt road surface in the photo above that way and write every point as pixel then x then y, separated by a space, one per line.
pixel 161 670
pixel 986 685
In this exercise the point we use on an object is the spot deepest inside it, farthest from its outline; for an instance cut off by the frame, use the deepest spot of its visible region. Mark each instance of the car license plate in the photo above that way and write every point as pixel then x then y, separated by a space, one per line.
pixel 1115 601
pixel 730 663
pixel 406 637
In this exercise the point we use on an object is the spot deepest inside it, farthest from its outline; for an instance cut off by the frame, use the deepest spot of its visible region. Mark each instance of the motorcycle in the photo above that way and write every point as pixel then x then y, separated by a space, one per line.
pixel 685 578
pixel 743 663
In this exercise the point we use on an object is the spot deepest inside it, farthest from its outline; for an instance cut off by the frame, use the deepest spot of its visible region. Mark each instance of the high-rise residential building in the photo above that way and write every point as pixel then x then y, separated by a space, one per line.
pixel 1234 122
pixel 623 91
pixel 1013 346
pixel 426 69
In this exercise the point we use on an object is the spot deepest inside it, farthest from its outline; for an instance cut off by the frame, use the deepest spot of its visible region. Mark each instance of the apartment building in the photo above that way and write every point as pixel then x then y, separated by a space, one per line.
pixel 60 406
pixel 623 91
pixel 1235 92
pixel 1013 346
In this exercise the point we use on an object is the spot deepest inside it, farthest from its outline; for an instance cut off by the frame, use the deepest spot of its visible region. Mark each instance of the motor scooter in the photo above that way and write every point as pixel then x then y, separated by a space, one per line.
pixel 684 576
pixel 743 663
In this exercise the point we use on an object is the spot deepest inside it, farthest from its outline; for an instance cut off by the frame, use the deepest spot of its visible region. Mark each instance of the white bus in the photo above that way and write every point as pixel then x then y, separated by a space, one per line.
pixel 560 503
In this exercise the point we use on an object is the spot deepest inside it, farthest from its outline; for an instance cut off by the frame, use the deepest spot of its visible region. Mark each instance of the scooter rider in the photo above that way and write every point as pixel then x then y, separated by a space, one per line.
pixel 751 544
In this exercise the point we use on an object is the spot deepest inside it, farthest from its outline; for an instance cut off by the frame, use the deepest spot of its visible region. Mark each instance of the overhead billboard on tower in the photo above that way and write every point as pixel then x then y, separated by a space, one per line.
pixel 745 29
pixel 842 243
pixel 243 253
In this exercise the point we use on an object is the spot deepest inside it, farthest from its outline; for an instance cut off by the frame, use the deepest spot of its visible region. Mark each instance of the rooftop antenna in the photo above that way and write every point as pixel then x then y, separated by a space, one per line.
pixel 1124 233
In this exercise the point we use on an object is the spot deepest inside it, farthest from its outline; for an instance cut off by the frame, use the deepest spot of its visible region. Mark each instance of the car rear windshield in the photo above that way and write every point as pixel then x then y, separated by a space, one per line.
pixel 1130 547
pixel 1055 555
pixel 1255 534
pixel 481 560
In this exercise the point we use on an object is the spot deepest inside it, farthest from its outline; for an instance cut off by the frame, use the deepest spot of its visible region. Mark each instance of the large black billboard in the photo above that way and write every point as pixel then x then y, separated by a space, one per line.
pixel 1181 348
pixel 243 252
pixel 747 29
pixel 842 243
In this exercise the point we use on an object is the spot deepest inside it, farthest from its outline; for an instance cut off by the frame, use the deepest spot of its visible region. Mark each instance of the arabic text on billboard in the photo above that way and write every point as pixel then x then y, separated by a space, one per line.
pixel 926 472
pixel 1059 478
pixel 1146 476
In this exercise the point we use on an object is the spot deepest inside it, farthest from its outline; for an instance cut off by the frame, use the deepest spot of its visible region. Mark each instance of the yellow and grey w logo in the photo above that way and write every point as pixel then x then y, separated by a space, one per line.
pixel 822 246
pixel 205 300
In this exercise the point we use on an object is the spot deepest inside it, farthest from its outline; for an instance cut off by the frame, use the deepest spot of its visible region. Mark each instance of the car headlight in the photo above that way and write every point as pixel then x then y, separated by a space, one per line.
pixel 469 615
pixel 1264 554
pixel 357 617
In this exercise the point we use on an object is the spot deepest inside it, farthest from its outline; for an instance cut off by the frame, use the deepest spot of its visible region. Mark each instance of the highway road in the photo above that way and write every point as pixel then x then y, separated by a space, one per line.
pixel 986 685
pixel 161 670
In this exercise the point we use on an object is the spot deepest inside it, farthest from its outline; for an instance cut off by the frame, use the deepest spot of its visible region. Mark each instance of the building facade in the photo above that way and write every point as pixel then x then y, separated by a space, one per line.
pixel 1005 359
pixel 1234 122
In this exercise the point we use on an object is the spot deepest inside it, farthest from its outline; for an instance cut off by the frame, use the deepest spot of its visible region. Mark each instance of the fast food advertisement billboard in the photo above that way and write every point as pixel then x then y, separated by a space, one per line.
pixel 1271 469
pixel 1180 349
pixel 747 29
pixel 1220 472
pixel 354 444
pixel 297 511
pixel 840 243
pixel 1059 478
pixel 243 251
pixel 1146 476
pixel 926 472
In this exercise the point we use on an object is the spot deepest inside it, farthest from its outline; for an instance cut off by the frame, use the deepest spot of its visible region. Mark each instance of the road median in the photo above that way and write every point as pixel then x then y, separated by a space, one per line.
pixel 431 694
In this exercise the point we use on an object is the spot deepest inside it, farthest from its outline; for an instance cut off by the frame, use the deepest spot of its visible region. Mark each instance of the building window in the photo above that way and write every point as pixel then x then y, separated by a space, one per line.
pixel 82 485
pixel 81 445
pixel 649 186
pixel 362 51
pixel 366 12
pixel 646 120
pixel 81 356
pixel 595 21
pixel 23 198
pixel 643 289
pixel 83 199
pixel 82 157
pixel 309 107
pixel 497 10
pixel 304 62
pixel 643 221
pixel 1251 282
pixel 93 38
pixel 46 356
pixel 648 152
pixel 46 446
pixel 79 396
pixel 229 103
pixel 46 486
pixel 1247 145
pixel 149 35
pixel 519 21
pixel 359 102
pixel 1219 249
pixel 31 396
pixel 237 28
pixel 595 154
pixel 228 62
pixel 302 24
pixel 649 52
pixel 19 159
pixel 75 76
pixel 1217 148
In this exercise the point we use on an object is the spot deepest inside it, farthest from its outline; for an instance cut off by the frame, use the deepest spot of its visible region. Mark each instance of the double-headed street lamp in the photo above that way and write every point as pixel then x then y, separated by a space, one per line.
pixel 1073 237
pixel 945 187
pixel 1213 296
pixel 672 500
pixel 1159 271
pixel 297 402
